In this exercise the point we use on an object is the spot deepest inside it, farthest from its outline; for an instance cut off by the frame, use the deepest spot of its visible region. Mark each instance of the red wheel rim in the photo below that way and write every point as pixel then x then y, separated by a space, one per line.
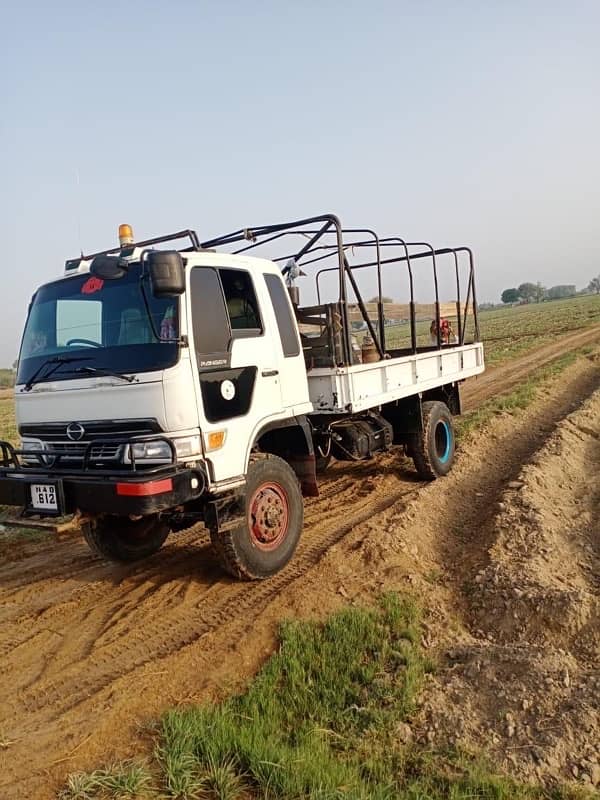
pixel 268 516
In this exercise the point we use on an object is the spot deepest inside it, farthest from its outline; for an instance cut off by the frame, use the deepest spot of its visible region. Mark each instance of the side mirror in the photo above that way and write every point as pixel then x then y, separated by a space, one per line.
pixel 109 268
pixel 167 275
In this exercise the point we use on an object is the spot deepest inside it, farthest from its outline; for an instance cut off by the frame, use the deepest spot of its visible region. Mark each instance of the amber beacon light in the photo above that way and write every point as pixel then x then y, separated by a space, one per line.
pixel 125 235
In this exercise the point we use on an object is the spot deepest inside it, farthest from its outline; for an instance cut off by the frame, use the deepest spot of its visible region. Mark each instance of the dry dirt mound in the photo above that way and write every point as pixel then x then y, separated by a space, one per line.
pixel 528 687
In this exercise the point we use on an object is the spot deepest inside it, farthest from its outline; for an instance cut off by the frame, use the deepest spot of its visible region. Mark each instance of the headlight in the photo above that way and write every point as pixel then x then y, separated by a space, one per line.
pixel 32 446
pixel 150 451
pixel 187 446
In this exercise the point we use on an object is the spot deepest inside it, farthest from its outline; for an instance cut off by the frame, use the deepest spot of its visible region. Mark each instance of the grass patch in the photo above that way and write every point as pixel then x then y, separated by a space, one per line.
pixel 8 427
pixel 317 720
pixel 7 378
pixel 519 398
pixel 10 535
pixel 121 781
pixel 321 721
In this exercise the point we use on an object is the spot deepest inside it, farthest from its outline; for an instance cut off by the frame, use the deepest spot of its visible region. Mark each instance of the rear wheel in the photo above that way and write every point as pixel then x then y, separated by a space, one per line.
pixel 124 539
pixel 433 448
pixel 273 520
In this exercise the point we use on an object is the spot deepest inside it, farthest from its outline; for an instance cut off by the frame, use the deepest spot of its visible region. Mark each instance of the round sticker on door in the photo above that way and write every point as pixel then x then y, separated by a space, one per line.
pixel 227 390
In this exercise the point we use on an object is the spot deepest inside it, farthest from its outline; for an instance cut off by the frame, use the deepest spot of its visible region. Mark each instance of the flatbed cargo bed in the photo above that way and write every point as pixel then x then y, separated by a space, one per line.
pixel 363 386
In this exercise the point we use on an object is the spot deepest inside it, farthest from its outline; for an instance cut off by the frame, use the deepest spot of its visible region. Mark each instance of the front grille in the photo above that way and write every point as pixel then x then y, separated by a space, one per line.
pixel 94 429
pixel 75 451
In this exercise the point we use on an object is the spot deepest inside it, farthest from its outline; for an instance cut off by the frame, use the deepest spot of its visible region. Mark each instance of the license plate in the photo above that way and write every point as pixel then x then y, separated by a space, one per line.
pixel 44 497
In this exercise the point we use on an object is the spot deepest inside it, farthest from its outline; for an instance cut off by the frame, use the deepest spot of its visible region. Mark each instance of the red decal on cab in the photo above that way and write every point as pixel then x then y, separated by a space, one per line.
pixel 92 285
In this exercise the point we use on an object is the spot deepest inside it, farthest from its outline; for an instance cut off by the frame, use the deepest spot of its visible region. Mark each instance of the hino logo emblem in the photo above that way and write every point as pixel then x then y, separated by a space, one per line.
pixel 75 431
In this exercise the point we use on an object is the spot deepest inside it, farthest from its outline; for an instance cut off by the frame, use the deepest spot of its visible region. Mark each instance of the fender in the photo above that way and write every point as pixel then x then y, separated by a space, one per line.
pixel 291 439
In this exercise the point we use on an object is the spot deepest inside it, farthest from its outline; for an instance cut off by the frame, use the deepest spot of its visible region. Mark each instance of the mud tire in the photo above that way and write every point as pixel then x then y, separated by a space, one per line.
pixel 124 540
pixel 433 448
pixel 262 546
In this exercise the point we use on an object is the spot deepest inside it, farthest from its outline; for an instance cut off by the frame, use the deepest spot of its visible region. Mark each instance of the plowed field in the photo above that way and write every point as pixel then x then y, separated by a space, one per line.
pixel 91 652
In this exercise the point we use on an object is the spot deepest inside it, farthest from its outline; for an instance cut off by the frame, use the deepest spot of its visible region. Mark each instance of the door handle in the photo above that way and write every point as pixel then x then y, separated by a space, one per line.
pixel 269 373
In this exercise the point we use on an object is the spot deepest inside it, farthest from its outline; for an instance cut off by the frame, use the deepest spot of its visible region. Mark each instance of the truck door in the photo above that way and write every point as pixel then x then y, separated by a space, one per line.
pixel 237 362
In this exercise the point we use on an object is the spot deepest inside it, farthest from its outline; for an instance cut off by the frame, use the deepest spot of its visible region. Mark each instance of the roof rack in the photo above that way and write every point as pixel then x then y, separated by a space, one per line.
pixel 169 237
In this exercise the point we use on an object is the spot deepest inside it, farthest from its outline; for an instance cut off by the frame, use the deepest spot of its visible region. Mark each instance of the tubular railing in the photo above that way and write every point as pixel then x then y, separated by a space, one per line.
pixel 319 249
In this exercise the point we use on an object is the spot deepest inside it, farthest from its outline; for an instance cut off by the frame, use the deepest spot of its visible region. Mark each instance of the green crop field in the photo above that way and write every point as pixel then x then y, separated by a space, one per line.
pixel 508 332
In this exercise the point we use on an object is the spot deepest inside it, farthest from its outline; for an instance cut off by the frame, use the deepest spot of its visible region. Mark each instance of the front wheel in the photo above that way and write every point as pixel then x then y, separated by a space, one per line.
pixel 124 539
pixel 273 520
pixel 433 448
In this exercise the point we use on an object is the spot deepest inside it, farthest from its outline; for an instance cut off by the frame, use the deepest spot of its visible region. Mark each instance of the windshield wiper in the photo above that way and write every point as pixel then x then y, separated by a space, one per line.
pixel 104 371
pixel 57 362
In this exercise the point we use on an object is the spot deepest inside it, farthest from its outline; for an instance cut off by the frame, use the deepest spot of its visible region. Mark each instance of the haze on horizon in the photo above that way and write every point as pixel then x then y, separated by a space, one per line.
pixel 458 123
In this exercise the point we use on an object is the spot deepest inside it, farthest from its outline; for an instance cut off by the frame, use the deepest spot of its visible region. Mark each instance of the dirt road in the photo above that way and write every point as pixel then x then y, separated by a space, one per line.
pixel 91 653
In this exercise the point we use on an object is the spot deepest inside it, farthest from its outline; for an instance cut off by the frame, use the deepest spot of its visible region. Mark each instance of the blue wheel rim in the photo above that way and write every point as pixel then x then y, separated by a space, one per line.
pixel 443 457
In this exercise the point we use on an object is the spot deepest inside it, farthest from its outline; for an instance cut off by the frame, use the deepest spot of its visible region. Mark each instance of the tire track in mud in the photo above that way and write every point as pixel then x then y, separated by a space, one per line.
pixel 41 601
pixel 49 699
pixel 57 592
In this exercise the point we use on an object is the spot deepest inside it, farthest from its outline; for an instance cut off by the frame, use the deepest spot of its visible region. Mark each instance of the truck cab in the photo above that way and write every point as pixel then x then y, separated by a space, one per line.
pixel 207 368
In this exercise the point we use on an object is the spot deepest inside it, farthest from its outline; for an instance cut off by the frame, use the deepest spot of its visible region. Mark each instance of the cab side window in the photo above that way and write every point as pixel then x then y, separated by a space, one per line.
pixel 209 319
pixel 288 332
pixel 242 305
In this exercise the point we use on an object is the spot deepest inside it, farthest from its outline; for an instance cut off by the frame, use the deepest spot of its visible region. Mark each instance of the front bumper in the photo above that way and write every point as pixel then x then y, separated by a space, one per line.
pixel 122 493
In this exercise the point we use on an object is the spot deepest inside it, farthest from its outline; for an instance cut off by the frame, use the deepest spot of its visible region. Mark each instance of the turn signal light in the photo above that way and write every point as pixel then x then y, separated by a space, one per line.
pixel 215 440
pixel 125 235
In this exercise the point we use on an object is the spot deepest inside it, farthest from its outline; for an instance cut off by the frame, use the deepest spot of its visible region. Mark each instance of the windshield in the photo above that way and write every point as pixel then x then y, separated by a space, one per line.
pixel 106 321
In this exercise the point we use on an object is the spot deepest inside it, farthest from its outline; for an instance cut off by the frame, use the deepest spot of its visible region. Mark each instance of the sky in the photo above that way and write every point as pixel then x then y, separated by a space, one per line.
pixel 455 122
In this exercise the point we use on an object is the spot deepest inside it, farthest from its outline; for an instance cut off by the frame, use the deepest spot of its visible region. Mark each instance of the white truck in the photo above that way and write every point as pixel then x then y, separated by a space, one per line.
pixel 158 388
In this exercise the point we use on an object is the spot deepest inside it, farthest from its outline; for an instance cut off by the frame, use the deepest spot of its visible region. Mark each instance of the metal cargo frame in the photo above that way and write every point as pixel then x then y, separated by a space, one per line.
pixel 321 248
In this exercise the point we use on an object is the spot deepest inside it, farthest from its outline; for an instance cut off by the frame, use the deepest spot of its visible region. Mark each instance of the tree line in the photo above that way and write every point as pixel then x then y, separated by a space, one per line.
pixel 528 292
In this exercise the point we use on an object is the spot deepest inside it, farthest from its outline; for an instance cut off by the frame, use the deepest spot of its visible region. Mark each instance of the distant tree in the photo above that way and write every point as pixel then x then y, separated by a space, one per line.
pixel 510 296
pixel 384 299
pixel 14 364
pixel 595 285
pixel 563 290
pixel 528 291
pixel 540 292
